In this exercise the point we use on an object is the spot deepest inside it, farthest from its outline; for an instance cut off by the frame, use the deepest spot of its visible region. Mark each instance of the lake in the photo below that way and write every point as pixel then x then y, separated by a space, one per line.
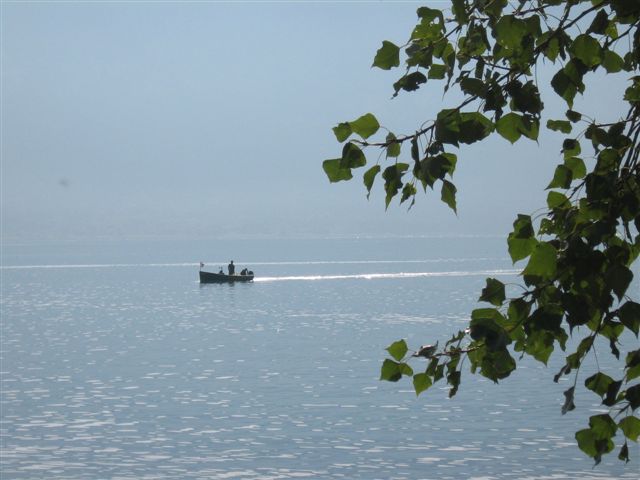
pixel 117 363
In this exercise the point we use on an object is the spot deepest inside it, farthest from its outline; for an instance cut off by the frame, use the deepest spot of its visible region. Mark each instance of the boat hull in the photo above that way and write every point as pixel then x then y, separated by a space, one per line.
pixel 209 277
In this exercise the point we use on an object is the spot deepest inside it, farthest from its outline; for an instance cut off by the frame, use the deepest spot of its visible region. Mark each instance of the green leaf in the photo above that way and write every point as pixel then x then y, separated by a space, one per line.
pixel 576 166
pixel 568 401
pixel 618 279
pixel 624 453
pixel 393 180
pixel 510 31
pixel 370 176
pixel 507 127
pixel 365 126
pixel 342 131
pixel 335 171
pixel 521 241
pixel 474 127
pixel 612 62
pixel 571 148
pixel 421 382
pixel 408 191
pixel 587 49
pixel 387 57
pixel 633 396
pixel 391 371
pixel 593 446
pixel 497 364
pixel 512 126
pixel 352 156
pixel 448 194
pixel 448 126
pixel 559 126
pixel 493 292
pixel 410 82
pixel 573 116
pixel 486 325
pixel 599 383
pixel 543 261
pixel 557 200
pixel 398 349
pixel 561 178
pixel 630 427
pixel 393 147
pixel 603 426
pixel 629 315
pixel 437 71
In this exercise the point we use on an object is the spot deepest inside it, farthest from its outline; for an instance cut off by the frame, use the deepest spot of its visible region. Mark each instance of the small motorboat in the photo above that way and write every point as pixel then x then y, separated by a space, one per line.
pixel 209 277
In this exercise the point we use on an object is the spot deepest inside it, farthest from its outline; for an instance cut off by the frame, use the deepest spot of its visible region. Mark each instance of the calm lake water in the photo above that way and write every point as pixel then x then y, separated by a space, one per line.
pixel 117 363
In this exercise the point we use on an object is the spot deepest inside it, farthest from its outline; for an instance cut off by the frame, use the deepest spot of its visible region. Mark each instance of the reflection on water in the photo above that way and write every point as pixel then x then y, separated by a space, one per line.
pixel 137 372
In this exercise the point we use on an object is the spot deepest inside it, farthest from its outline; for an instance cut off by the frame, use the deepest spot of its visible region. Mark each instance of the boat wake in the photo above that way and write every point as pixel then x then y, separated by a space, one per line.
pixel 376 276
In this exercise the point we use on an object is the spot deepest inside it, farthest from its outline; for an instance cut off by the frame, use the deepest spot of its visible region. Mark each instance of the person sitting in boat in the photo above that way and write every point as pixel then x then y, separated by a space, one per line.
pixel 232 268
pixel 221 272
pixel 243 272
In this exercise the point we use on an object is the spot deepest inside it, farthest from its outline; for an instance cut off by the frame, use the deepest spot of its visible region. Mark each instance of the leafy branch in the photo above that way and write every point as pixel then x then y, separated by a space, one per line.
pixel 579 251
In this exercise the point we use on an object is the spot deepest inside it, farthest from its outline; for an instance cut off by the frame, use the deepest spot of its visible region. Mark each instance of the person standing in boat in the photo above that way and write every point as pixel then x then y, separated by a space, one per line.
pixel 232 268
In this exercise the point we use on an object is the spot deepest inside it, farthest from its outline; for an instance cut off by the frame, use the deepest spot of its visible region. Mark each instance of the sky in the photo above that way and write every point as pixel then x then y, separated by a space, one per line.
pixel 212 119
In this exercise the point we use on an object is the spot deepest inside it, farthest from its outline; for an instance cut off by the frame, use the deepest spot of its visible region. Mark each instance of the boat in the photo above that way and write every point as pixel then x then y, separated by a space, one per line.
pixel 209 277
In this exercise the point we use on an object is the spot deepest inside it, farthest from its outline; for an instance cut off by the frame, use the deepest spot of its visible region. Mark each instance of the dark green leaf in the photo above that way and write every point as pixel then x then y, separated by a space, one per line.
pixel 568 401
pixel 493 292
pixel 624 453
pixel 391 371
pixel 393 180
pixel 387 57
pixel 334 170
pixel 559 126
pixel 633 396
pixel 448 194
pixel 370 176
pixel 448 126
pixel 398 349
pixel 618 279
pixel 474 127
pixel 352 156
pixel 486 325
pixel 410 82
pixel 629 315
pixel 573 116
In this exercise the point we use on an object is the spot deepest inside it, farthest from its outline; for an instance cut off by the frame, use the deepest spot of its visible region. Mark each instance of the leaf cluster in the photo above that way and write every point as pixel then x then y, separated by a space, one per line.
pixel 578 253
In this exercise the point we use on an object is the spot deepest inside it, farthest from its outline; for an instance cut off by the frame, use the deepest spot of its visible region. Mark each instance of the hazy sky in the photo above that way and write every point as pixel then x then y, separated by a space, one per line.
pixel 203 119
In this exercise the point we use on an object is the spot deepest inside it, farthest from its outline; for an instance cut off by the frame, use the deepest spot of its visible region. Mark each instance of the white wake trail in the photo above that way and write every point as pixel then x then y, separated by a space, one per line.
pixel 376 276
